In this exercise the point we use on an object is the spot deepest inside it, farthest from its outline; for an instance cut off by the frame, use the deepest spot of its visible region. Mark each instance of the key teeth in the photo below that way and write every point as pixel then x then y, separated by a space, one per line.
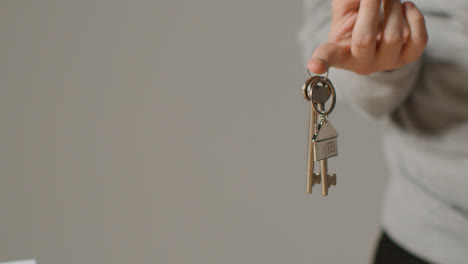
pixel 316 179
pixel 332 179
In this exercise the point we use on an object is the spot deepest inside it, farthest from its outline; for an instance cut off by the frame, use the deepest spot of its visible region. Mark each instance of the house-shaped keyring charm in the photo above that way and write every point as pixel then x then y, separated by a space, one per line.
pixel 325 145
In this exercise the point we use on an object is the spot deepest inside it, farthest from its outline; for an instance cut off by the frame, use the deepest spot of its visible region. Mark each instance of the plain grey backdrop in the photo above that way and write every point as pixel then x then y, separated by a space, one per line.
pixel 171 132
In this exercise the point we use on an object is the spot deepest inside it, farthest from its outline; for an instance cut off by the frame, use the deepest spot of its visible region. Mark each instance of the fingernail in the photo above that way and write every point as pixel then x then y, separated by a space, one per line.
pixel 409 5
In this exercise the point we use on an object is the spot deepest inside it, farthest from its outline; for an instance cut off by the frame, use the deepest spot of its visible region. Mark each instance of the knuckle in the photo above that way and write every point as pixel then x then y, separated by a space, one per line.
pixel 393 38
pixel 364 41
pixel 418 18
pixel 363 70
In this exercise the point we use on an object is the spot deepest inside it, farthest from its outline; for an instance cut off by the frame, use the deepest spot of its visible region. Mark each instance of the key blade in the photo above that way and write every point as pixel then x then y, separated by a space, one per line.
pixel 311 155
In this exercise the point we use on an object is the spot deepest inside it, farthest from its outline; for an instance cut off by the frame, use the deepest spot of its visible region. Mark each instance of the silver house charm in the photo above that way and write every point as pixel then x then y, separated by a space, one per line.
pixel 326 145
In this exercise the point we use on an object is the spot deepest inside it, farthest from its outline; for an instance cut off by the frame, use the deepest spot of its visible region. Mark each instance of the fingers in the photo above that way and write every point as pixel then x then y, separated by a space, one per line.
pixel 364 36
pixel 388 51
pixel 418 36
pixel 336 56
pixel 374 42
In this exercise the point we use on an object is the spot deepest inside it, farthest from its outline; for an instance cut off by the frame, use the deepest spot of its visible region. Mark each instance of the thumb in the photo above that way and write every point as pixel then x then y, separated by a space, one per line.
pixel 336 56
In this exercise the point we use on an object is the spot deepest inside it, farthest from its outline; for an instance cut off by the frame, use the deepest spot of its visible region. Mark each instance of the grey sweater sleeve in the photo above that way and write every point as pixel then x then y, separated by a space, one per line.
pixel 375 95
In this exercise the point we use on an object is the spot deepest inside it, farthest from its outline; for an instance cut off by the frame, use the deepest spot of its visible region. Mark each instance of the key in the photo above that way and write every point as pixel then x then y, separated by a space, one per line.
pixel 311 178
pixel 320 94
pixel 322 140
pixel 325 146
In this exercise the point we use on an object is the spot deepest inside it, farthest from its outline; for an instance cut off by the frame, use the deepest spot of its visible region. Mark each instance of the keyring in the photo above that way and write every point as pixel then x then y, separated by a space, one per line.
pixel 305 89
pixel 326 83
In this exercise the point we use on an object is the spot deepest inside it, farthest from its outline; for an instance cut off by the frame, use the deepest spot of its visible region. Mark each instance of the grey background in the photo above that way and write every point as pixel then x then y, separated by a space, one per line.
pixel 171 132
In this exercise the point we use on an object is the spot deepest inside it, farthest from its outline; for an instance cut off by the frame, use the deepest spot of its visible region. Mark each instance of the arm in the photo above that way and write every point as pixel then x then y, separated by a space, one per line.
pixel 374 94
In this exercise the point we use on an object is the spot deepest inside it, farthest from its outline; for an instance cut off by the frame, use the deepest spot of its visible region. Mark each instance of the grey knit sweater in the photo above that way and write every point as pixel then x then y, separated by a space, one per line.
pixel 426 202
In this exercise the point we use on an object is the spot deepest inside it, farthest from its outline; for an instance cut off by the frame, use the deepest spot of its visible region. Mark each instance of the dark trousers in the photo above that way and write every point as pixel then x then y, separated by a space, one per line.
pixel 389 252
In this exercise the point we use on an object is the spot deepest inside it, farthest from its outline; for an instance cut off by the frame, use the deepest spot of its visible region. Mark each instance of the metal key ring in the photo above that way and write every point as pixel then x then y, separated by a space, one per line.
pixel 328 83
pixel 305 87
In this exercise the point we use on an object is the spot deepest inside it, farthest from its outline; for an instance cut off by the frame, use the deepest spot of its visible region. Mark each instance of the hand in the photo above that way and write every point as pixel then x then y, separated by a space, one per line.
pixel 364 41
